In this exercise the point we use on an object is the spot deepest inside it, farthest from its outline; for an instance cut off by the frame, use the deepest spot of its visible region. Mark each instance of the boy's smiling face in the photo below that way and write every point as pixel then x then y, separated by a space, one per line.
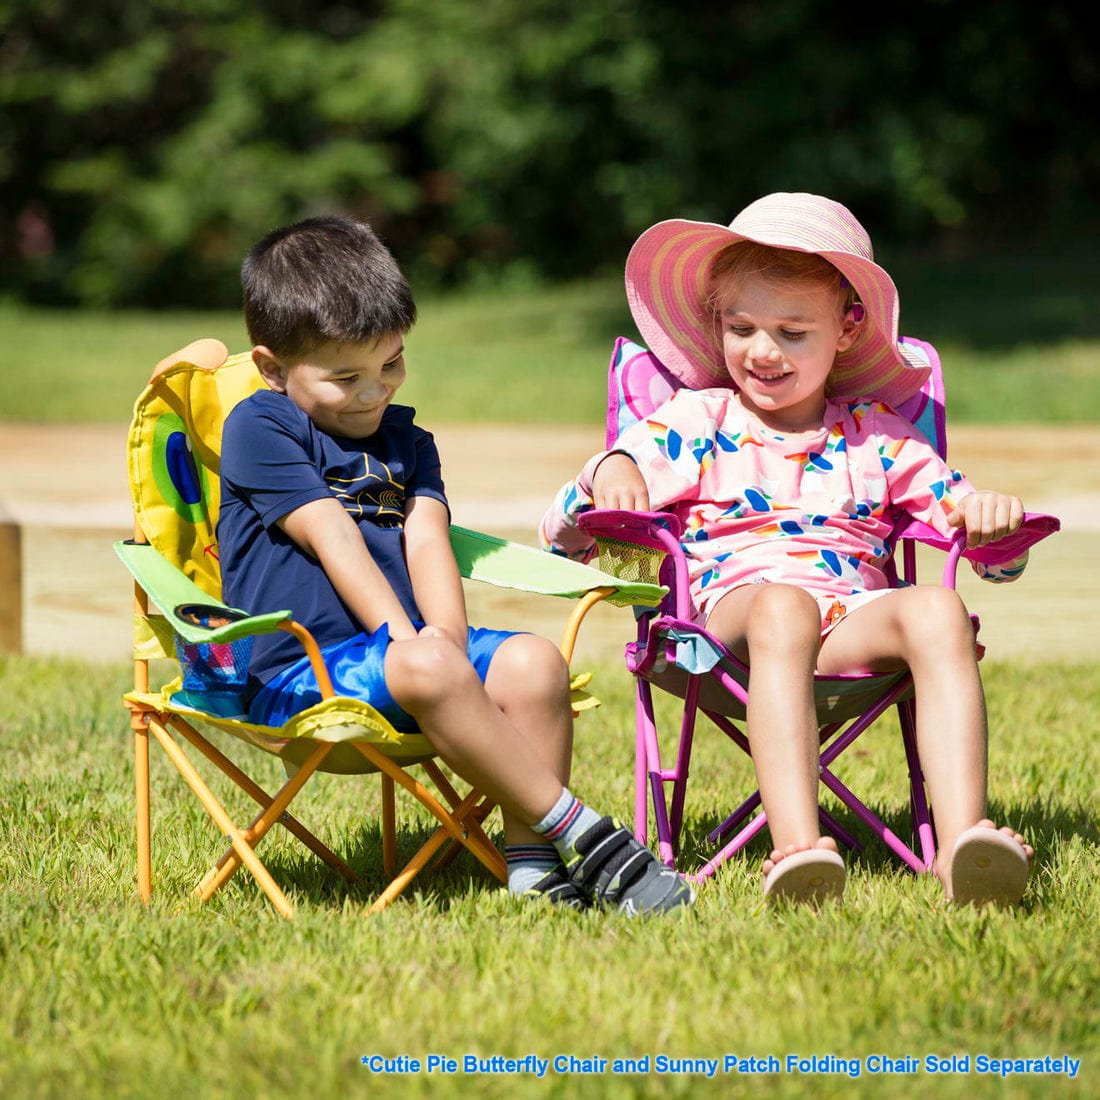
pixel 343 388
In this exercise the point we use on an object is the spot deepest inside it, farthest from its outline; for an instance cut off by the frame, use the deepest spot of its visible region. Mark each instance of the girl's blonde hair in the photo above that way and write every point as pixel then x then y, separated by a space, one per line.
pixel 781 268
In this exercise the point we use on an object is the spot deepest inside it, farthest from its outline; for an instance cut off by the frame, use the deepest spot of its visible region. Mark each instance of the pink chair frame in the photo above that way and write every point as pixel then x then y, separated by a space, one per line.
pixel 847 705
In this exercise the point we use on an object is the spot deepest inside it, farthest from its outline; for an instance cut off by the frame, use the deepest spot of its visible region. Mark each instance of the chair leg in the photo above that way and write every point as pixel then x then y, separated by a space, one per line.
pixel 257 829
pixel 643 724
pixel 461 825
pixel 656 776
pixel 831 825
pixel 735 845
pixel 683 760
pixel 724 828
pixel 475 840
pixel 222 819
pixel 421 859
pixel 389 828
pixel 922 826
pixel 875 824
pixel 259 795
pixel 472 820
pixel 452 849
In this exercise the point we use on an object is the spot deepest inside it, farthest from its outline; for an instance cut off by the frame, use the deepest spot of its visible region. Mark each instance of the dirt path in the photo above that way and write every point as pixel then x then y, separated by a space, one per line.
pixel 66 490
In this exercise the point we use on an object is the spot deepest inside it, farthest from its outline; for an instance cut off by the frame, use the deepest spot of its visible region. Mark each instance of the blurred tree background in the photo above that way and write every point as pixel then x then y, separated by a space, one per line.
pixel 144 144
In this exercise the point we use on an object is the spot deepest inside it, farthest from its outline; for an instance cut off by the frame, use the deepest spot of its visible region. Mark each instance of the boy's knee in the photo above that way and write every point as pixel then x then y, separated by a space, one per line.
pixel 528 666
pixel 424 671
pixel 528 670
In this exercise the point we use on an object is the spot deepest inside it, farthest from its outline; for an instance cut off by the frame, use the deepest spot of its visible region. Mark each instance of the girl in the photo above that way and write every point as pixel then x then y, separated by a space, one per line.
pixel 784 462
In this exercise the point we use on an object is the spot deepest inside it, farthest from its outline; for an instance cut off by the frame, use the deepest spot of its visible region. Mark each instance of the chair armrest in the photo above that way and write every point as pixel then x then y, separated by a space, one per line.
pixel 178 596
pixel 654 531
pixel 512 565
pixel 1035 527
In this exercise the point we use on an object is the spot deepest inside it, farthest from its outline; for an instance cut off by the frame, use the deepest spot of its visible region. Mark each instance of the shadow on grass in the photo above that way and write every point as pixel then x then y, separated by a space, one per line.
pixel 316 884
pixel 1045 824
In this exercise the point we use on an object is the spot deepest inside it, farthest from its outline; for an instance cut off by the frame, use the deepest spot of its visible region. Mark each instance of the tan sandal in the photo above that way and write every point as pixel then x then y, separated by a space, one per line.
pixel 987 867
pixel 810 877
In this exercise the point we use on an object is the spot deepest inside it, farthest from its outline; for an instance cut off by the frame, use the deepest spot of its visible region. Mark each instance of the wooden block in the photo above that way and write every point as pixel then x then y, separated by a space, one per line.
pixel 11 586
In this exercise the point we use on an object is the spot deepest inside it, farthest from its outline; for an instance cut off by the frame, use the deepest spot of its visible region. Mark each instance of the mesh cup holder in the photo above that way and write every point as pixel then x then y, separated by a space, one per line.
pixel 213 668
pixel 630 562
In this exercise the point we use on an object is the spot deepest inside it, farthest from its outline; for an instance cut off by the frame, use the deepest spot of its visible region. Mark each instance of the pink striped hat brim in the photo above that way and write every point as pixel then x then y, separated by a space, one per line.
pixel 667 286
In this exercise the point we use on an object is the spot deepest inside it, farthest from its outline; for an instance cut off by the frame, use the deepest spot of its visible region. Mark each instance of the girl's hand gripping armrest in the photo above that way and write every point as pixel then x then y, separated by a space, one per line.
pixel 618 485
pixel 986 517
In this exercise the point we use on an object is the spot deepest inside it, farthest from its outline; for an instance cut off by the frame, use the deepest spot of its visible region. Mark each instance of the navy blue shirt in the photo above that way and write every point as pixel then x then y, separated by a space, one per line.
pixel 274 460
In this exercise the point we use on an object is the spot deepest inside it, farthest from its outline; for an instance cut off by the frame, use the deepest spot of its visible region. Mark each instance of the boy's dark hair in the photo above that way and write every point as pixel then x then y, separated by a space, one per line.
pixel 323 279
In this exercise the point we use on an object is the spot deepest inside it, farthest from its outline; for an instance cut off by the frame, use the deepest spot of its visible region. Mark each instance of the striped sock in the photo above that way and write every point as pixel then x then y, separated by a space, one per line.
pixel 567 820
pixel 529 864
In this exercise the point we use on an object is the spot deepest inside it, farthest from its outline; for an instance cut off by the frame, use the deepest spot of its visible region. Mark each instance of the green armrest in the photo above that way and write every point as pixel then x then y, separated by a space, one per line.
pixel 512 565
pixel 174 593
pixel 480 557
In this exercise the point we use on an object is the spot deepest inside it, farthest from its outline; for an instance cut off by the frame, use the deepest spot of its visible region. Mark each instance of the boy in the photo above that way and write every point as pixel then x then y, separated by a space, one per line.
pixel 333 505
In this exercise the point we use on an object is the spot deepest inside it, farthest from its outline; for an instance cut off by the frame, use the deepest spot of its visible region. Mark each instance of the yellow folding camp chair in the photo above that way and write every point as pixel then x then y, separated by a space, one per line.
pixel 173 455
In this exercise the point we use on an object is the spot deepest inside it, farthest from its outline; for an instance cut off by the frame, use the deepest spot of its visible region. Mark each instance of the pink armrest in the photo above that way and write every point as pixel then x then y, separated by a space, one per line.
pixel 1036 527
pixel 655 531
pixel 640 527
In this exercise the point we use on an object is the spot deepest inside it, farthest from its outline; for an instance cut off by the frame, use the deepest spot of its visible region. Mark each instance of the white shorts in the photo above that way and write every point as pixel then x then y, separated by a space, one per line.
pixel 835 608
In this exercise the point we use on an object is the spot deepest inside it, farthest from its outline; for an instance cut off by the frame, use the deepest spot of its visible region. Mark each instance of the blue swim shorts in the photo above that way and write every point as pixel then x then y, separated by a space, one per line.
pixel 357 670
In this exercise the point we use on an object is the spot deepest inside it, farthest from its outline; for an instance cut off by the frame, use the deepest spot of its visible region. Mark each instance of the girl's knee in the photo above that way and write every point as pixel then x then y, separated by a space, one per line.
pixel 784 616
pixel 937 617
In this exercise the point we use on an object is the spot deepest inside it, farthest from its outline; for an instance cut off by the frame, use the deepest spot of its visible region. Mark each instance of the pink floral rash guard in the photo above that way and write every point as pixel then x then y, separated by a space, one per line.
pixel 813 509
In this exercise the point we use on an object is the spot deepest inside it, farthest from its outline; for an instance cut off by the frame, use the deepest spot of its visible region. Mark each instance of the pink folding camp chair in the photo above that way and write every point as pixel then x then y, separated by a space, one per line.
pixel 675 655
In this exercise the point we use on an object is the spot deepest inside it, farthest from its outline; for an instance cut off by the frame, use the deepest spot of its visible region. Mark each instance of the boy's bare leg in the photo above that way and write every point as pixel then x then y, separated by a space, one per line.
pixel 431 679
pixel 928 629
pixel 600 861
pixel 777 628
pixel 528 681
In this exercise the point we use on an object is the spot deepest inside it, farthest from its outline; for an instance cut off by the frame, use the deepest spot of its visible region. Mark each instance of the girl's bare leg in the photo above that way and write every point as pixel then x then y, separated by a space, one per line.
pixel 777 629
pixel 928 629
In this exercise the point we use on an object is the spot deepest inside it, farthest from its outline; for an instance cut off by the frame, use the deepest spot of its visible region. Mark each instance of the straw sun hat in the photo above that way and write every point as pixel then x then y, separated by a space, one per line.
pixel 667 287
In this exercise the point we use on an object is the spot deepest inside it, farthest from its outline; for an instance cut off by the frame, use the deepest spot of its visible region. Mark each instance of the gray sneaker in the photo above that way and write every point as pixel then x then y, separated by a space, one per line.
pixel 614 871
pixel 558 890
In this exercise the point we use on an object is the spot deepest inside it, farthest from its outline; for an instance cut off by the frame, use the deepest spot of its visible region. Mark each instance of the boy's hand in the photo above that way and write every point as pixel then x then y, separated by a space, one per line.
pixel 986 517
pixel 618 485
pixel 430 631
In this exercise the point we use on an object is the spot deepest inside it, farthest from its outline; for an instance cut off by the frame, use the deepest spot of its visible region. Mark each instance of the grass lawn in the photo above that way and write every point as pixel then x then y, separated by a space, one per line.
pixel 101 997
pixel 1019 337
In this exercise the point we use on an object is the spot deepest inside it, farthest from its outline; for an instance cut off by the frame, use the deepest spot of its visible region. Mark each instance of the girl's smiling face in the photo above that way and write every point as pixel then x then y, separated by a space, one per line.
pixel 779 345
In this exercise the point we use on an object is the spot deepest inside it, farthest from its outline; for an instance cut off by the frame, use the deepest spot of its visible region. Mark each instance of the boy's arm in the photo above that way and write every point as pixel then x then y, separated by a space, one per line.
pixel 323 529
pixel 436 584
